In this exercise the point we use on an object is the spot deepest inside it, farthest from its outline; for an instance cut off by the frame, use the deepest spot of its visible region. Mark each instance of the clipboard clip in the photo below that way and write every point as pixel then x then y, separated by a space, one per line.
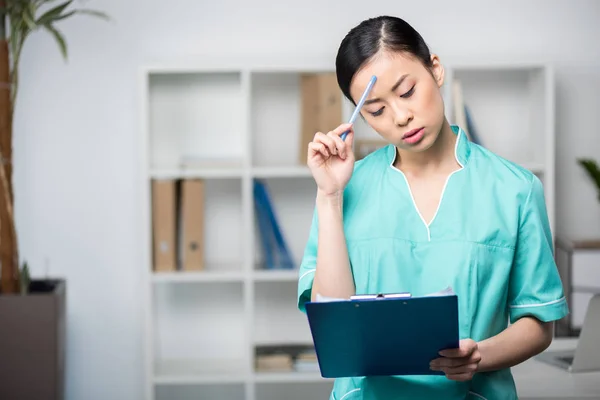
pixel 380 296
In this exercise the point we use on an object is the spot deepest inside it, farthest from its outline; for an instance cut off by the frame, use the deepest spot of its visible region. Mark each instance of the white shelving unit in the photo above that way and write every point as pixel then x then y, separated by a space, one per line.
pixel 201 327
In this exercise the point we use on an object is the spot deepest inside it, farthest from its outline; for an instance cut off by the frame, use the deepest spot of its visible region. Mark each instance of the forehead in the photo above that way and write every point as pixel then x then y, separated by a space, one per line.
pixel 387 67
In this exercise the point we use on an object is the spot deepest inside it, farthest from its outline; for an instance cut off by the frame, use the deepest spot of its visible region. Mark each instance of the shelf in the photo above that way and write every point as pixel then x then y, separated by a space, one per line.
pixel 284 377
pixel 275 275
pixel 294 390
pixel 198 276
pixel 200 173
pixel 282 172
pixel 204 391
pixel 197 372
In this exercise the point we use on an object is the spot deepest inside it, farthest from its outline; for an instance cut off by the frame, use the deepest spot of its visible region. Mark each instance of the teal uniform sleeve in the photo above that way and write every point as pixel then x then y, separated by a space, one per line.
pixel 535 287
pixel 308 266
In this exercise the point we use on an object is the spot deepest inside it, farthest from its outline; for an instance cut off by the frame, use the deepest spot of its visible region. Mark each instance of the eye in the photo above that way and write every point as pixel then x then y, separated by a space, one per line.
pixel 378 112
pixel 409 93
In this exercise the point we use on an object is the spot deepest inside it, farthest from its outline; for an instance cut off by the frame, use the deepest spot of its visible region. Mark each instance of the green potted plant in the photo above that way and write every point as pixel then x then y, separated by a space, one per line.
pixel 592 170
pixel 32 312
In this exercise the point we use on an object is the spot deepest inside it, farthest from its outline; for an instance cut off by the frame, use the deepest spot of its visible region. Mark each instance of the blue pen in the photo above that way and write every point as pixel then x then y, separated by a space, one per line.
pixel 360 104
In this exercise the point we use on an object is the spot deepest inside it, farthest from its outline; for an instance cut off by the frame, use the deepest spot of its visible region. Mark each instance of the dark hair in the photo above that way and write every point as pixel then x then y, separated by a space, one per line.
pixel 369 38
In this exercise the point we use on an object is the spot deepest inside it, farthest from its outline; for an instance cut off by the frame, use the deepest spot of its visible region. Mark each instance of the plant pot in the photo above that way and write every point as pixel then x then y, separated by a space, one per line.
pixel 32 342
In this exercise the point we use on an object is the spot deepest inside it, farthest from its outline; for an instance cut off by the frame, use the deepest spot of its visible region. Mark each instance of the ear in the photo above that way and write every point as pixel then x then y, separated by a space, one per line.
pixel 437 69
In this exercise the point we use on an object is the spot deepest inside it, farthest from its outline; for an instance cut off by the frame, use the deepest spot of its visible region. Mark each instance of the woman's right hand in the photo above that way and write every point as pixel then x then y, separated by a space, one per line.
pixel 331 159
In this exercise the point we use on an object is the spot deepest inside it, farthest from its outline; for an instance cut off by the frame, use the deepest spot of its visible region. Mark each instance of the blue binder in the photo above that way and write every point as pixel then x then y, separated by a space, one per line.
pixel 382 336
pixel 276 251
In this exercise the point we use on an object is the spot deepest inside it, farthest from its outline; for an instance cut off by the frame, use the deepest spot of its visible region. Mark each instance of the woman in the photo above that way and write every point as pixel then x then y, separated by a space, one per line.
pixel 428 211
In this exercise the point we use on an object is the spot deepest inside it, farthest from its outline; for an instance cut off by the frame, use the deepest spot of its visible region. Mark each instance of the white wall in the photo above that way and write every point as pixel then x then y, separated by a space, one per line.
pixel 76 133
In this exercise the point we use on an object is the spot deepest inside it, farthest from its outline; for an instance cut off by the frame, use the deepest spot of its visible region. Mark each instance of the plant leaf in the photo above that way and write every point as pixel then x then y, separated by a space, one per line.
pixel 64 16
pixel 58 36
pixel 593 171
pixel 54 13
pixel 94 13
pixel 28 16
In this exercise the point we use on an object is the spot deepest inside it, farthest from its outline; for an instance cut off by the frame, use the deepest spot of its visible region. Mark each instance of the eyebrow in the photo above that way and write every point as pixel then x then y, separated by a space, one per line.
pixel 375 100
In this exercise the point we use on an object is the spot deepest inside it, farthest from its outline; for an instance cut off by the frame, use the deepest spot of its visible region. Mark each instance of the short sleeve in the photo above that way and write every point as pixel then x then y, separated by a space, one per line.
pixel 308 266
pixel 535 287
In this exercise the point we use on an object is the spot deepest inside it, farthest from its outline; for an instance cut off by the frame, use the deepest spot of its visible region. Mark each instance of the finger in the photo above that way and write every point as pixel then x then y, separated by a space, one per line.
pixel 448 362
pixel 474 358
pixel 461 369
pixel 342 128
pixel 316 148
pixel 339 144
pixel 460 377
pixel 466 347
pixel 327 140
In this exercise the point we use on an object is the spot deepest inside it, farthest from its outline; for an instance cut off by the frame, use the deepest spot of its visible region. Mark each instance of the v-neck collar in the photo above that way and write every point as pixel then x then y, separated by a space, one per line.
pixel 462 151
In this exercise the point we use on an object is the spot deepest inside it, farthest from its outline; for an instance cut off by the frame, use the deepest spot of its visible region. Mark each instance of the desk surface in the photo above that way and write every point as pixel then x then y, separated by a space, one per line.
pixel 537 380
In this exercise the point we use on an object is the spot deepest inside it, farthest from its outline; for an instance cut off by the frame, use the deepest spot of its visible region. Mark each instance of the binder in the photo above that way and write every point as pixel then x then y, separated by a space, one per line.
pixel 382 335
pixel 164 225
pixel 275 248
pixel 321 107
pixel 192 221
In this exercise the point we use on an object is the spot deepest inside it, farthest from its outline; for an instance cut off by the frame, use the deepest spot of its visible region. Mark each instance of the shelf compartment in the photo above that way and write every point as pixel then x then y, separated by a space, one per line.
pixel 199 332
pixel 277 104
pixel 277 319
pixel 219 213
pixel 195 118
pixel 515 121
pixel 204 392
pixel 275 118
pixel 293 202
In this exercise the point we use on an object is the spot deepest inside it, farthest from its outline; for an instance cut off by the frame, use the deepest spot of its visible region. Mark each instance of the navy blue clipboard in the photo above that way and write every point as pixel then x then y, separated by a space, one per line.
pixel 382 337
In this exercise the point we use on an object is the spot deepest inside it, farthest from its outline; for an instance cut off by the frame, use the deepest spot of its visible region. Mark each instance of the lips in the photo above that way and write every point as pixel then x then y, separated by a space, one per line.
pixel 411 133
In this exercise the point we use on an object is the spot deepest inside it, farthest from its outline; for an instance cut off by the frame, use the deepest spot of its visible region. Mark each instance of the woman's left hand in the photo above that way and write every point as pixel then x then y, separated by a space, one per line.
pixel 459 364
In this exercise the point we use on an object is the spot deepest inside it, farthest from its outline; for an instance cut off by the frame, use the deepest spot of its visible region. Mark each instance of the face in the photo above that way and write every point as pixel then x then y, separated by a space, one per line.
pixel 405 105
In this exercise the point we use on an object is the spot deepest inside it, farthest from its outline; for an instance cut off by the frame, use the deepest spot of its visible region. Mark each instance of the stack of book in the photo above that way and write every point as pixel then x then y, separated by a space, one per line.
pixel 286 358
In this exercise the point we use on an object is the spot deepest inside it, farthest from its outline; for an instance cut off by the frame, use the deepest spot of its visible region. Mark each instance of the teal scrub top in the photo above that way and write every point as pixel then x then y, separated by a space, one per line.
pixel 490 241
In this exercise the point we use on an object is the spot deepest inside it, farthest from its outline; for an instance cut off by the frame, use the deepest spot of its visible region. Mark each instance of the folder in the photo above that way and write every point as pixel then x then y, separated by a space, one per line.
pixel 192 222
pixel 164 225
pixel 321 107
pixel 382 335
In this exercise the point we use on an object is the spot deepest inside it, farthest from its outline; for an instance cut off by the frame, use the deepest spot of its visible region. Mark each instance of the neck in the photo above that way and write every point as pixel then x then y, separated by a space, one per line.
pixel 440 156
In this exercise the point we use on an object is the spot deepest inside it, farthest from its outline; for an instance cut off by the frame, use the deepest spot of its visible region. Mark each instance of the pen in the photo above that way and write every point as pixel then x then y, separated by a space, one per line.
pixel 360 104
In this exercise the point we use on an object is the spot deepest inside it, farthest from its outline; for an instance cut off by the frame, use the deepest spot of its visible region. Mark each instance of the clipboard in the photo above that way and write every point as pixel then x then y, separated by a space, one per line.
pixel 382 335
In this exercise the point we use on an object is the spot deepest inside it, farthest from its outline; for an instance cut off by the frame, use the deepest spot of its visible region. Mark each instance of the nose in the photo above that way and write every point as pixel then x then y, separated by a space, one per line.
pixel 402 115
